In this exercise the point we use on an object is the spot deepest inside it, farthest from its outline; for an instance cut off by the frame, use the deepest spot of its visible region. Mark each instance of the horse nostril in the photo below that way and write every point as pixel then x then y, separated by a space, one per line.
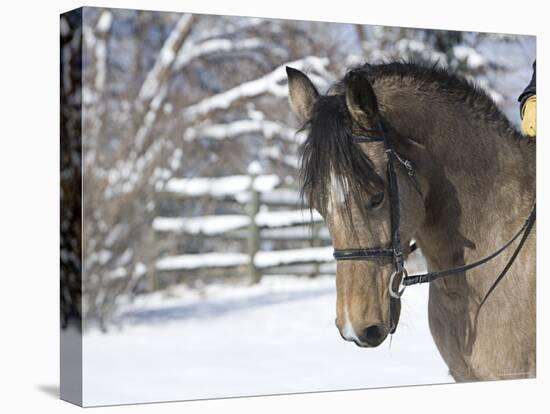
pixel 373 335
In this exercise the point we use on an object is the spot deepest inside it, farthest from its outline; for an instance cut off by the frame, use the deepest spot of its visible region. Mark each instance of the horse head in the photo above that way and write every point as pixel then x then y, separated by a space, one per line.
pixel 345 179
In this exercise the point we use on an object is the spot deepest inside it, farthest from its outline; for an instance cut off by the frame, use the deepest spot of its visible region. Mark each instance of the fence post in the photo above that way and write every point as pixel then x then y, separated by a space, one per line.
pixel 151 275
pixel 253 230
pixel 152 250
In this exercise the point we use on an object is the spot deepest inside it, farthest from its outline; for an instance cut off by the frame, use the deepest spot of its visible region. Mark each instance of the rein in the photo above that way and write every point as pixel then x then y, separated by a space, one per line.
pixel 395 251
pixel 430 276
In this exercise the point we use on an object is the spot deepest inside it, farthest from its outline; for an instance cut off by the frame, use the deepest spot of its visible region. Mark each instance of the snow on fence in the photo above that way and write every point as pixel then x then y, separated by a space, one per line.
pixel 262 260
pixel 230 186
pixel 216 225
pixel 255 193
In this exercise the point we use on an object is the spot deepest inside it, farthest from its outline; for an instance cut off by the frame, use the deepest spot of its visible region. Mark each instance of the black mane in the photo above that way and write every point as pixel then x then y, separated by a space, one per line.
pixel 329 153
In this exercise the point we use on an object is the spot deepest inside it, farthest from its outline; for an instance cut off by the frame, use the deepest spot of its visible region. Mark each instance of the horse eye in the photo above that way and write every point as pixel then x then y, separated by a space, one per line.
pixel 376 201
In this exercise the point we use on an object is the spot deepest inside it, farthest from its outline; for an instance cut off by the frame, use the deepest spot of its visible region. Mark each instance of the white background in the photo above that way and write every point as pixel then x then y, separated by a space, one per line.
pixel 29 215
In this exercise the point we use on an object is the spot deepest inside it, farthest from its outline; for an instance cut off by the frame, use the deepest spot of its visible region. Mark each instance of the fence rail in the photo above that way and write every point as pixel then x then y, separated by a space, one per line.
pixel 269 214
pixel 223 223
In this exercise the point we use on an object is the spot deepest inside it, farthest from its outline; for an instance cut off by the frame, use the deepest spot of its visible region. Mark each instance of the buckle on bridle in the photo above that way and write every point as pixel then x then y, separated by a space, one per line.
pixel 405 163
pixel 397 294
pixel 408 166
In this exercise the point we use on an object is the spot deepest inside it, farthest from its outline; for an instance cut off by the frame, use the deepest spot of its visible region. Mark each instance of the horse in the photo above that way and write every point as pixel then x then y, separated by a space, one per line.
pixel 471 188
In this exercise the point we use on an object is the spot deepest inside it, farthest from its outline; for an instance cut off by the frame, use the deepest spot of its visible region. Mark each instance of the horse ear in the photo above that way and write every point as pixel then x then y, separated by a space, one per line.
pixel 302 93
pixel 360 98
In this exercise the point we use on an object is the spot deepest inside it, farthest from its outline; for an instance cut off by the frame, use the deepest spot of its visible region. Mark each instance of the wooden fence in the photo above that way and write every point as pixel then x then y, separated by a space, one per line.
pixel 270 216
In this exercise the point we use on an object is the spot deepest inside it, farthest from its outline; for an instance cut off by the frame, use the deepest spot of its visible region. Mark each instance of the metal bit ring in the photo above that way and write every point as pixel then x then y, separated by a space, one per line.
pixel 399 293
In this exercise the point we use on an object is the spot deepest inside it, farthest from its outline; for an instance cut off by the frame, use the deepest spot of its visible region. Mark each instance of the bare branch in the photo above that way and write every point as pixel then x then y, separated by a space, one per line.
pixel 160 71
pixel 268 129
pixel 102 30
pixel 269 83
pixel 193 51
pixel 153 90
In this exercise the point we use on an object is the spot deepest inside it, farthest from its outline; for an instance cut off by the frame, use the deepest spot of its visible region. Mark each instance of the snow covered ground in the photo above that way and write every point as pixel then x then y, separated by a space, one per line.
pixel 275 337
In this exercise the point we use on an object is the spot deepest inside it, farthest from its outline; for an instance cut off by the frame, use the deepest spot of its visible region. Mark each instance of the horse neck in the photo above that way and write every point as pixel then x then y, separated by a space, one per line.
pixel 481 186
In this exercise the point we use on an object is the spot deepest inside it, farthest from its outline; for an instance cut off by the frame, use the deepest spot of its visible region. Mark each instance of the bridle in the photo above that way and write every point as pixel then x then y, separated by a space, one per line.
pixel 395 252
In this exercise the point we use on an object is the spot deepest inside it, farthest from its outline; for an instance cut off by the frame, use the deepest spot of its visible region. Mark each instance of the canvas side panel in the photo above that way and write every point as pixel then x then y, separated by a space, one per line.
pixel 71 205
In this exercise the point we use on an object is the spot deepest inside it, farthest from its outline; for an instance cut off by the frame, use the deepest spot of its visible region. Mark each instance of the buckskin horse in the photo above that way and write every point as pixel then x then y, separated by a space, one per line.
pixel 401 152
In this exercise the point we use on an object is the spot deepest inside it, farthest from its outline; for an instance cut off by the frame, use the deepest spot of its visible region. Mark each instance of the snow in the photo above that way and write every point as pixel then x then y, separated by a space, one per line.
pixel 167 56
pixel 408 47
pixel 473 59
pixel 64 28
pixel 118 273
pixel 219 224
pixel 208 225
pixel 277 196
pixel 268 129
pixel 101 257
pixel 103 26
pixel 262 259
pixel 271 338
pixel 140 269
pixel 104 22
pixel 286 218
pixel 151 115
pixel 125 257
pixel 219 187
pixel 266 84
pixel 114 234
pixel 294 233
pixel 152 82
pixel 283 257
pixel 254 168
pixel 281 196
pixel 121 272
pixel 195 261
pixel 219 31
pixel 514 59
pixel 125 174
pixel 193 51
